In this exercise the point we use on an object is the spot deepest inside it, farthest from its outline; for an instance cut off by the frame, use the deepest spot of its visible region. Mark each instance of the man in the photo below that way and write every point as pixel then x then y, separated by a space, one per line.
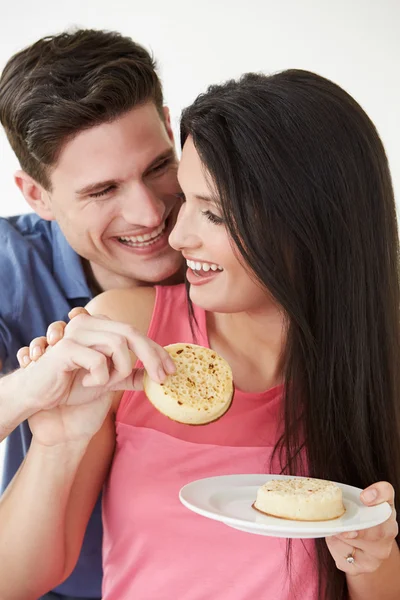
pixel 84 115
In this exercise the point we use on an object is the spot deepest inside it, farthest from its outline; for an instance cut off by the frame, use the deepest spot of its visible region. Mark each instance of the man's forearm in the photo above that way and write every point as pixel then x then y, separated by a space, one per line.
pixel 33 513
pixel 14 403
pixel 383 583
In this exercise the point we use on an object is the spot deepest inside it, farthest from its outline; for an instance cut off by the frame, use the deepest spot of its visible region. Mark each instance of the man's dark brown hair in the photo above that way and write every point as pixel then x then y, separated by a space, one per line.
pixel 66 83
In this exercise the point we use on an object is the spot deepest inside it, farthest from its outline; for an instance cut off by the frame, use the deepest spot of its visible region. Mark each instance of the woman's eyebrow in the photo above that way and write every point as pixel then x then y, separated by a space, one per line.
pixel 213 199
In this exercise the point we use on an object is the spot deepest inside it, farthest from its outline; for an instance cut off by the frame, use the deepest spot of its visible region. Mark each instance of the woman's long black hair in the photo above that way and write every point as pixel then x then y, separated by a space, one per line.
pixel 306 194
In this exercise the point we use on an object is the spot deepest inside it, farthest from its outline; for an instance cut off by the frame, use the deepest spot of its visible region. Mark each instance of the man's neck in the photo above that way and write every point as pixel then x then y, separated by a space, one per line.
pixel 100 281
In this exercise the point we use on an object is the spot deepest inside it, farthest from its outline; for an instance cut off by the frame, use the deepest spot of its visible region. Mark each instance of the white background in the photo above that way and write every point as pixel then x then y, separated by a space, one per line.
pixel 356 43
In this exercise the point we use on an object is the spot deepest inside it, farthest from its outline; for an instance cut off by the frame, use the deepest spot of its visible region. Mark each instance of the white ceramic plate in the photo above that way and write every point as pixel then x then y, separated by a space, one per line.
pixel 229 499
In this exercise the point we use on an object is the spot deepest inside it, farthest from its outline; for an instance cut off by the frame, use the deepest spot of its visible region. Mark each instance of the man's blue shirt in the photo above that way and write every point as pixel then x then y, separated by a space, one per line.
pixel 41 279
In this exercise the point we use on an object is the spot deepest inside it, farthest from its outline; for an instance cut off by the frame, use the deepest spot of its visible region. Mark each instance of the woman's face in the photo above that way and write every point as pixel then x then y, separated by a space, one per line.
pixel 219 282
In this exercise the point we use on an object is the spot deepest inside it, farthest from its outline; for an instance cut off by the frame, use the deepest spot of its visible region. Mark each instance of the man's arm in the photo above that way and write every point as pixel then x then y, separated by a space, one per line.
pixel 130 306
pixel 15 404
pixel 45 510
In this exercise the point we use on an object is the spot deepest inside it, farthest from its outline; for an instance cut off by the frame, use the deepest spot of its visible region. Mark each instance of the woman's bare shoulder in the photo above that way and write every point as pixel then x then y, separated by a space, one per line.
pixel 133 306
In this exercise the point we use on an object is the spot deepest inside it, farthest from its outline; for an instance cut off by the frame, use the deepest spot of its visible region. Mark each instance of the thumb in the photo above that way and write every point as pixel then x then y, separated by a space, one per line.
pixel 134 381
pixel 377 493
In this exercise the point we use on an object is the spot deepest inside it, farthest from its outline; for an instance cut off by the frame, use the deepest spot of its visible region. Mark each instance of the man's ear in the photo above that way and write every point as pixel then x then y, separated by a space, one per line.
pixel 167 120
pixel 35 195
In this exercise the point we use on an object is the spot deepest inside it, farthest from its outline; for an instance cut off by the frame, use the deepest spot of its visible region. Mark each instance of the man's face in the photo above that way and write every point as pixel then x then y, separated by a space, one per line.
pixel 114 196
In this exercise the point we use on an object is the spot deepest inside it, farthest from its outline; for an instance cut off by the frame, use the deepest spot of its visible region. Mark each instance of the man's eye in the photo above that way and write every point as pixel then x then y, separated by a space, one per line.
pixel 181 196
pixel 161 166
pixel 104 192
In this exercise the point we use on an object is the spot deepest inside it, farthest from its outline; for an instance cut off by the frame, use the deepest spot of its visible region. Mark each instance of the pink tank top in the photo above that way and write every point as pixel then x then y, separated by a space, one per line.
pixel 156 549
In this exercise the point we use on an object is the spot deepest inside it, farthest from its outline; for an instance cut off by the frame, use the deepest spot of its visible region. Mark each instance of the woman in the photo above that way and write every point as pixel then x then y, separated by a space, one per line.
pixel 290 235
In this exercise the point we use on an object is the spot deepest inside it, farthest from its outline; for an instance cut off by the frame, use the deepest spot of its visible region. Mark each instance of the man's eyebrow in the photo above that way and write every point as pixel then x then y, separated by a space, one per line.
pixel 95 187
pixel 101 185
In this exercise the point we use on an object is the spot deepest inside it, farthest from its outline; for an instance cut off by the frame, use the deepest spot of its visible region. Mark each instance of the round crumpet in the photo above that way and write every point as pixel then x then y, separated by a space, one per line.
pixel 199 392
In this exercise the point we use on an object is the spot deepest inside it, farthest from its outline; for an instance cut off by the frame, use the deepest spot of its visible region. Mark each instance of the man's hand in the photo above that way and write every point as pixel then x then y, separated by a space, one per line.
pixel 39 345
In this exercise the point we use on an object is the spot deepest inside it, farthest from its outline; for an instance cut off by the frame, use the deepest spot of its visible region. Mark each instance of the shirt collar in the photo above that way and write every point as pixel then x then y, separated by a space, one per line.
pixel 67 265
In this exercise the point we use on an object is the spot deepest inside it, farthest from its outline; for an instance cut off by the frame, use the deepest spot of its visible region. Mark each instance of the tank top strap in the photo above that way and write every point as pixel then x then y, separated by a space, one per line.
pixel 173 321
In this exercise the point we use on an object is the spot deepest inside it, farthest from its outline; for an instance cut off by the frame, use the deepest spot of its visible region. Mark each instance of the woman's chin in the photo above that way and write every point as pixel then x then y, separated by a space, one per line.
pixel 210 301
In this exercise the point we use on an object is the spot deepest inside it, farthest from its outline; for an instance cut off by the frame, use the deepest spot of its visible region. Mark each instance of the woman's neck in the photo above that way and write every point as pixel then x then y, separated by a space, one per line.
pixel 252 344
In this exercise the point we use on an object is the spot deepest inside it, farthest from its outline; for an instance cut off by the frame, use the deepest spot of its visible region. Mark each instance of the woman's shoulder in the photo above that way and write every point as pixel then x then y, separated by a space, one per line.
pixel 136 305
pixel 132 305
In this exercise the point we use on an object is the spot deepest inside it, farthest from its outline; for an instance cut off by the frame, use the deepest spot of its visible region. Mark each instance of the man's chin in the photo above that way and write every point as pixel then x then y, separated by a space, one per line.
pixel 178 276
pixel 171 275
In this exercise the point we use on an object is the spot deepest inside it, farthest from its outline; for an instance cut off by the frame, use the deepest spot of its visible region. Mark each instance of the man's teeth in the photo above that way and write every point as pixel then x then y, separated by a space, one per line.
pixel 198 266
pixel 145 239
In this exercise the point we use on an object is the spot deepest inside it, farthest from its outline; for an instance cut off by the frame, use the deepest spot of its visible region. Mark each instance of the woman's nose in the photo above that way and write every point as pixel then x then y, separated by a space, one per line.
pixel 183 235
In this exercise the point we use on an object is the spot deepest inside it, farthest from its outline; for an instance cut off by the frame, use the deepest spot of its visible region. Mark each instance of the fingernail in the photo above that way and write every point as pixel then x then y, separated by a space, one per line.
pixel 161 374
pixel 370 495
pixel 52 337
pixel 26 360
pixel 36 352
pixel 350 535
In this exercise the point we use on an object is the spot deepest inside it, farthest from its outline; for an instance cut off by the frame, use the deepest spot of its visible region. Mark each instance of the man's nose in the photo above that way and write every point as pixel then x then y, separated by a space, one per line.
pixel 143 207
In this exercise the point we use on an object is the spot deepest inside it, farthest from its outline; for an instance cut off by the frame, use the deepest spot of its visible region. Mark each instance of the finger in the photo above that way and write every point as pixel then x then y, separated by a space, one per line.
pixel 340 550
pixel 71 356
pixel 167 365
pixel 78 310
pixel 378 493
pixel 23 357
pixel 367 539
pixel 133 382
pixel 55 332
pixel 111 345
pixel 168 362
pixel 376 542
pixel 155 359
pixel 37 347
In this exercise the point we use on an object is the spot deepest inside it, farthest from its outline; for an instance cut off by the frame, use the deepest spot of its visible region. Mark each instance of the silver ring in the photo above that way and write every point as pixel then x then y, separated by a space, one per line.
pixel 350 557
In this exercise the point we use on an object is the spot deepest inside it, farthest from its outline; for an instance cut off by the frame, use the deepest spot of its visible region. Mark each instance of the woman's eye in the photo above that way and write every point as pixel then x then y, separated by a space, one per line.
pixel 213 218
pixel 104 192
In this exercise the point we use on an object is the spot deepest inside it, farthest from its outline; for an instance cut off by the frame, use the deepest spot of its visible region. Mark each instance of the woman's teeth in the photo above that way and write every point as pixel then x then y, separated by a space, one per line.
pixel 198 266
pixel 138 241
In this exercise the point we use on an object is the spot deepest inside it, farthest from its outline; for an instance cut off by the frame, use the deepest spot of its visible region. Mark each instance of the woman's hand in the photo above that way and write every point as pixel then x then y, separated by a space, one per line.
pixel 358 552
pixel 70 383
